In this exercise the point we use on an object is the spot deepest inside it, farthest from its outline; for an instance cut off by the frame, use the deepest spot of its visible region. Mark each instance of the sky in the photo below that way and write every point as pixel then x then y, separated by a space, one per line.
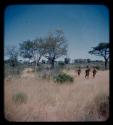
pixel 84 26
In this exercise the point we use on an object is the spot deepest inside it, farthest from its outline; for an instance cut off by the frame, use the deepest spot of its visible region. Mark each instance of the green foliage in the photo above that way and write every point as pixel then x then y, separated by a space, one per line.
pixel 52 47
pixel 67 60
pixel 19 98
pixel 40 68
pixel 97 67
pixel 63 77
pixel 61 63
pixel 102 49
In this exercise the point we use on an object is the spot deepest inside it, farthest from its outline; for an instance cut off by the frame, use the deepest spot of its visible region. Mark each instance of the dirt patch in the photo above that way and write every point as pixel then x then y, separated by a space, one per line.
pixel 28 72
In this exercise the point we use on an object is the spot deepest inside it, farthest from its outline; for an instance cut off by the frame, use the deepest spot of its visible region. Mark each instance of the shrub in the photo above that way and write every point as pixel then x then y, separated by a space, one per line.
pixel 19 98
pixel 39 68
pixel 97 67
pixel 61 63
pixel 63 77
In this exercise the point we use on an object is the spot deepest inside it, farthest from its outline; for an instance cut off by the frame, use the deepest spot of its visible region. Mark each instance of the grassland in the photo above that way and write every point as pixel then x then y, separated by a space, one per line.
pixel 42 99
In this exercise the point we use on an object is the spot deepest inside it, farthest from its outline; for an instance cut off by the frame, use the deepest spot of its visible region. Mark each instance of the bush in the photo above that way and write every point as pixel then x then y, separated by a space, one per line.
pixel 19 98
pixel 61 63
pixel 63 77
pixel 39 68
pixel 97 67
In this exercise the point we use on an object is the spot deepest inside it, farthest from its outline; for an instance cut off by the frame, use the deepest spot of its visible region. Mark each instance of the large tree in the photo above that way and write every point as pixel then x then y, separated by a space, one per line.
pixel 102 49
pixel 34 49
pixel 55 46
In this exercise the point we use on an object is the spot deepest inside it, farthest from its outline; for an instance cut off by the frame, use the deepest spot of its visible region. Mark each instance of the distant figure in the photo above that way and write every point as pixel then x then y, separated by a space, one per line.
pixel 79 71
pixel 94 72
pixel 87 72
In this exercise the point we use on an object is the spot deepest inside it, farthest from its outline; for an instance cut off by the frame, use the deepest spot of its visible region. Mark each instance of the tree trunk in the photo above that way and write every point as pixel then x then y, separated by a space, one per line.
pixel 35 65
pixel 52 63
pixel 38 60
pixel 106 63
pixel 35 58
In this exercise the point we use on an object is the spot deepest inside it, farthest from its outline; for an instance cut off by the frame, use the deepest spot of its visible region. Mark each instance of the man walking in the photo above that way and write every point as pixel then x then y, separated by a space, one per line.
pixel 79 71
pixel 87 72
pixel 94 72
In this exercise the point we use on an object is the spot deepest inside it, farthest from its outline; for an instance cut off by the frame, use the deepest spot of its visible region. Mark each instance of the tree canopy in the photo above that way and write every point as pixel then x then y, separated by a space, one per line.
pixel 102 49
pixel 51 47
pixel 55 46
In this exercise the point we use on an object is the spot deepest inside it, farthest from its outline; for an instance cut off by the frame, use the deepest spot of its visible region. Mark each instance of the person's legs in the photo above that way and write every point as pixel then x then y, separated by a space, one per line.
pixel 78 73
pixel 94 75
pixel 86 75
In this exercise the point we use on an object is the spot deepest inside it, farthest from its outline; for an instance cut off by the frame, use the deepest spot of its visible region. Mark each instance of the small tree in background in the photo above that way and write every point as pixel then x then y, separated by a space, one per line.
pixel 55 46
pixel 88 60
pixel 67 60
pixel 43 61
pixel 101 50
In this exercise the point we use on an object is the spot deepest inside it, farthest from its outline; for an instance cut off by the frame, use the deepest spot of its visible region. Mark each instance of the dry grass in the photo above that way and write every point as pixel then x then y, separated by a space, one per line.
pixel 98 109
pixel 47 101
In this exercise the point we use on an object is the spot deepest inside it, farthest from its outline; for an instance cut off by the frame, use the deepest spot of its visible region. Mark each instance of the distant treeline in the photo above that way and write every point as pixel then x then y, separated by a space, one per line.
pixel 76 61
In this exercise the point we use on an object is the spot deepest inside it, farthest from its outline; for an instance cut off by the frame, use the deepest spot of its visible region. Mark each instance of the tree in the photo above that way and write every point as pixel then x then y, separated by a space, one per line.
pixel 33 50
pixel 12 53
pixel 101 50
pixel 43 61
pixel 88 60
pixel 67 60
pixel 55 46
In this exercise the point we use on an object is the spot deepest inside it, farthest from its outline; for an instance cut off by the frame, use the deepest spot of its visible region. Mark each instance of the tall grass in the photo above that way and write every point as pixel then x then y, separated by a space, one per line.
pixel 98 110
pixel 14 71
pixel 45 72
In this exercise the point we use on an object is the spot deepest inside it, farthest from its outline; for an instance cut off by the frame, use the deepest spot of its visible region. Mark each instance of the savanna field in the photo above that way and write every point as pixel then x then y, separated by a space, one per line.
pixel 49 51
pixel 29 97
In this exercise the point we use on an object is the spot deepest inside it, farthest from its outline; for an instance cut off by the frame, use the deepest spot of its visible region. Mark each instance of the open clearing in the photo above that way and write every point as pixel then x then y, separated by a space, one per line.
pixel 48 101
